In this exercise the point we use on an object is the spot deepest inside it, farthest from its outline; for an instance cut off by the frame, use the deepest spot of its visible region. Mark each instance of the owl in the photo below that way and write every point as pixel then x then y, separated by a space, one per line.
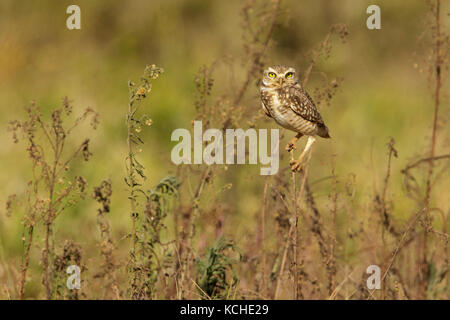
pixel 284 100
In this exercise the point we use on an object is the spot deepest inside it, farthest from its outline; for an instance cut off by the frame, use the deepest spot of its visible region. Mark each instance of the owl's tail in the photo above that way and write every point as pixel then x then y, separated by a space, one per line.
pixel 323 131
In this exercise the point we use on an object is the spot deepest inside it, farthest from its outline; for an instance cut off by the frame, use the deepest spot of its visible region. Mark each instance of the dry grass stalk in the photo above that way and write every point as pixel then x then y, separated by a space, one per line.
pixel 52 189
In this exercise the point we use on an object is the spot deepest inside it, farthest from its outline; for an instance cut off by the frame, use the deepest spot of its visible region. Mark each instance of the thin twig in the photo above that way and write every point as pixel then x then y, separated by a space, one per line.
pixel 263 236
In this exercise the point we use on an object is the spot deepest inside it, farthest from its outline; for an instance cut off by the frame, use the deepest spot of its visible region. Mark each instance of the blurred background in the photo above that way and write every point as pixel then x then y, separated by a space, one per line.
pixel 384 91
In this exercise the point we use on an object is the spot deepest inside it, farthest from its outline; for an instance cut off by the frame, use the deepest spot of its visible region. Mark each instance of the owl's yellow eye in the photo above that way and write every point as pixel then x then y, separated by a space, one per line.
pixel 289 75
pixel 272 75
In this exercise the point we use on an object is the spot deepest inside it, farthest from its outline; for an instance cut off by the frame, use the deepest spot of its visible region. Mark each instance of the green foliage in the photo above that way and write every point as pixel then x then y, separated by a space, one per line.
pixel 147 251
pixel 214 267
pixel 134 123
pixel 372 203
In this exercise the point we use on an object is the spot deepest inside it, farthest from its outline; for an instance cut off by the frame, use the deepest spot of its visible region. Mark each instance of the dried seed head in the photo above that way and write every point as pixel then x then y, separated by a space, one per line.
pixel 141 91
pixel 86 153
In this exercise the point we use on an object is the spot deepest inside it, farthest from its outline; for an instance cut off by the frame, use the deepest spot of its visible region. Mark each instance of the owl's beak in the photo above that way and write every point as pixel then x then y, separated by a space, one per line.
pixel 281 80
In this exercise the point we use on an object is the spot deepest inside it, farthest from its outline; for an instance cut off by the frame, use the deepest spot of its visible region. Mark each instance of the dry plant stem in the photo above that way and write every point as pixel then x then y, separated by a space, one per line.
pixel 436 106
pixel 339 286
pixel 332 268
pixel 47 175
pixel 295 224
pixel 259 55
pixel 386 220
pixel 263 237
pixel 314 59
pixel 49 218
pixel 401 244
pixel 295 238
pixel 283 262
pixel 424 264
pixel 188 232
pixel 291 229
pixel 132 200
pixel 26 263
pixel 383 217
pixel 320 49
pixel 418 162
pixel 141 266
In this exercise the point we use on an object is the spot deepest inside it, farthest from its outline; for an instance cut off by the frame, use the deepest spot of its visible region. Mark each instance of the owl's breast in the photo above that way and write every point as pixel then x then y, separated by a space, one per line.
pixel 277 108
pixel 280 112
pixel 277 104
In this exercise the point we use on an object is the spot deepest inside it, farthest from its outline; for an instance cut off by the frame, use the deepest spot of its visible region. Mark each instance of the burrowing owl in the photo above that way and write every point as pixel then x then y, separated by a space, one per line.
pixel 284 100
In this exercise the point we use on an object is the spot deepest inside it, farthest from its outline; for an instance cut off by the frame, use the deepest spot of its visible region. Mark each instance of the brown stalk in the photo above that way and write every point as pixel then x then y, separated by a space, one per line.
pixel 131 176
pixel 187 232
pixel 263 236
pixel 257 58
pixel 27 262
pixel 49 217
pixel 401 244
pixel 332 259
pixel 290 235
pixel 438 65
pixel 295 238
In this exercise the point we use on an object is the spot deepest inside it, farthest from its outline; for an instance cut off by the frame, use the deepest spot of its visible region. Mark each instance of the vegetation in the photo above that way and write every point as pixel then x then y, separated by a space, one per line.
pixel 374 194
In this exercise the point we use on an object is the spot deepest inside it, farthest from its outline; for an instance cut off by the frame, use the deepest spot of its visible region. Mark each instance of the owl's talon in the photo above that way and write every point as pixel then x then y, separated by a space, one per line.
pixel 291 144
pixel 296 165
pixel 290 147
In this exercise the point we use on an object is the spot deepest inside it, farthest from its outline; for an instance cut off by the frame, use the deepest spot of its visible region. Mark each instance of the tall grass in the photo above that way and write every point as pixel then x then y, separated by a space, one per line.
pixel 312 235
pixel 52 188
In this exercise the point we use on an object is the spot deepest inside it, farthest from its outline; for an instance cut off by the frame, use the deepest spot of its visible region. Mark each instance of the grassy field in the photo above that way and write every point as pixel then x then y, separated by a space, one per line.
pixel 87 177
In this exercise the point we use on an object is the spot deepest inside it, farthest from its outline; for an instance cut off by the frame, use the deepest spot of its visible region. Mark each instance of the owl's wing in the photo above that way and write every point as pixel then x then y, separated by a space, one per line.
pixel 302 104
pixel 266 111
pixel 265 100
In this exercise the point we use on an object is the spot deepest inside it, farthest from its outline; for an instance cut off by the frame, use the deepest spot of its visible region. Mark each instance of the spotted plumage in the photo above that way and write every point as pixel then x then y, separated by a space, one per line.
pixel 284 100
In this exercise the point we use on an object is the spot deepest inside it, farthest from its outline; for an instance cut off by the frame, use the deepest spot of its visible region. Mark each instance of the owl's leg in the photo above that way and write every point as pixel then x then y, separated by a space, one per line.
pixel 297 164
pixel 291 145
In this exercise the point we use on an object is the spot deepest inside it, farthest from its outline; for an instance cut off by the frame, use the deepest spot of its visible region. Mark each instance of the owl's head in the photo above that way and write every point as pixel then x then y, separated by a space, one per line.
pixel 279 76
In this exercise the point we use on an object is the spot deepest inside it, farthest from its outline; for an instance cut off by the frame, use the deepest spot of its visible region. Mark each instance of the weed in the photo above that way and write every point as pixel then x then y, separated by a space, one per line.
pixel 52 188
